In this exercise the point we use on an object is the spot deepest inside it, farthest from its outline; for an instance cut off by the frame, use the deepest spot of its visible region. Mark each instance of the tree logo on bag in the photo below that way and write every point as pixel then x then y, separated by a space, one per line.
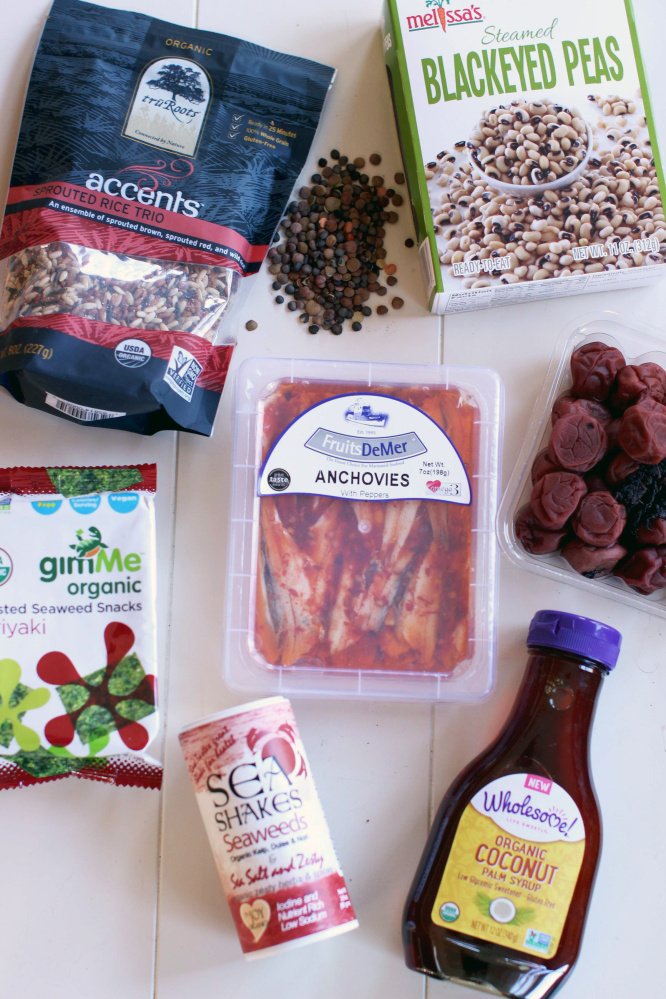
pixel 179 81
pixel 170 105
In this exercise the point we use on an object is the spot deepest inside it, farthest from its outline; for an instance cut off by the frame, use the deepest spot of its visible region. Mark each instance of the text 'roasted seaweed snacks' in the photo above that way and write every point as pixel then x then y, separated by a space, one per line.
pixel 149 179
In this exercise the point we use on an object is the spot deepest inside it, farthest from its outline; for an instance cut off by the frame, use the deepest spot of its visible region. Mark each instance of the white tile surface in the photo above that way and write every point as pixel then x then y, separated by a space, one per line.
pixel 80 860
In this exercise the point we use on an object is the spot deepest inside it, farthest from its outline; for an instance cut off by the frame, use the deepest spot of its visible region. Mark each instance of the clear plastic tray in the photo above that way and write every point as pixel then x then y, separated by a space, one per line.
pixel 638 344
pixel 361 592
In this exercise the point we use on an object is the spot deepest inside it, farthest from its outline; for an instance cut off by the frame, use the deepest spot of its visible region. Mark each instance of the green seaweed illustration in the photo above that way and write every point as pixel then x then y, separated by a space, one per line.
pixel 71 482
pixel 54 762
pixel 15 700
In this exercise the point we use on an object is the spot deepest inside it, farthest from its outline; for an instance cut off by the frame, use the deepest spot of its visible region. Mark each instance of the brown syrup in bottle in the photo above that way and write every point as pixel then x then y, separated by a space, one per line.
pixel 484 937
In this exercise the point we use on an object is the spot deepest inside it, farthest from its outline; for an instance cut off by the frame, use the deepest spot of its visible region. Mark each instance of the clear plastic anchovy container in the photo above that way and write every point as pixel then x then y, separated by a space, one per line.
pixel 586 502
pixel 362 550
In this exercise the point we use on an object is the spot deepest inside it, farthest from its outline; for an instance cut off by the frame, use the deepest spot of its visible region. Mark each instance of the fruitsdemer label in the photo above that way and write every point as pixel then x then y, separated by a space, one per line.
pixel 266 827
pixel 366 447
pixel 513 865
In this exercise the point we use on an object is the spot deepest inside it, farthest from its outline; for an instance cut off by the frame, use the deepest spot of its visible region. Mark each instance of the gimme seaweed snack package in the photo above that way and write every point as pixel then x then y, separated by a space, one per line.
pixel 529 148
pixel 152 167
pixel 78 657
pixel 362 552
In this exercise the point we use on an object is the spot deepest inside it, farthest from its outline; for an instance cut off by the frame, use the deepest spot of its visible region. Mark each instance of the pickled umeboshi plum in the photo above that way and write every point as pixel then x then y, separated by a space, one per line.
pixel 577 442
pixel 635 380
pixel 612 430
pixel 653 532
pixel 599 519
pixel 620 468
pixel 594 367
pixel 645 570
pixel 534 538
pixel 555 497
pixel 594 483
pixel 591 561
pixel 642 433
pixel 542 465
pixel 568 403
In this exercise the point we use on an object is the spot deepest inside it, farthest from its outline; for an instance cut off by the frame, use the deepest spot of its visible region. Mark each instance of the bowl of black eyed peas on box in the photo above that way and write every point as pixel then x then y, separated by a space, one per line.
pixel 530 147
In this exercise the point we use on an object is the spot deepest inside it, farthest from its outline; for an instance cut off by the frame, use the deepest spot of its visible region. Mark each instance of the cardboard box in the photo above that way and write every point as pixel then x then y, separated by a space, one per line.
pixel 529 148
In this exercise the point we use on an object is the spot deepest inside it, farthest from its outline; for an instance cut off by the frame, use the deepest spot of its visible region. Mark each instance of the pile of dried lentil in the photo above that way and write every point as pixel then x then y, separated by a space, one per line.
pixel 331 255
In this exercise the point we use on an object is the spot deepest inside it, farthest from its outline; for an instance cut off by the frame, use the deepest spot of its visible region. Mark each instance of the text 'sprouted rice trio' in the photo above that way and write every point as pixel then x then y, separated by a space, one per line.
pixel 529 149
pixel 78 657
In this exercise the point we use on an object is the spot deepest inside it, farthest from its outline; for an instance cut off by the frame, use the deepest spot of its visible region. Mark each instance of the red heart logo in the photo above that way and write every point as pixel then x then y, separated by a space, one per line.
pixel 433 486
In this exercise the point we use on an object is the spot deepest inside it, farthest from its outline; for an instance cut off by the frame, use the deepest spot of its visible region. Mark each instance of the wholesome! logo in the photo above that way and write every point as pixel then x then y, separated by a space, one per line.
pixel 441 16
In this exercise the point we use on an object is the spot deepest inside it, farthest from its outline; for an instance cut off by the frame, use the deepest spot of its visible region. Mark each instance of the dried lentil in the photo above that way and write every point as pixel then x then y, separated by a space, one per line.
pixel 333 253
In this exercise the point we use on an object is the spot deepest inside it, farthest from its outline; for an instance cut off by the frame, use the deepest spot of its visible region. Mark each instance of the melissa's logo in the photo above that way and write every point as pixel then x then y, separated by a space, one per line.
pixel 170 105
pixel 440 16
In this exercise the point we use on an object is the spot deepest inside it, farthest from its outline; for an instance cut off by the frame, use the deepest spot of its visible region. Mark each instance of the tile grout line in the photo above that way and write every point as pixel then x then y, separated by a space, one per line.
pixel 165 703
pixel 431 793
pixel 172 568
pixel 431 762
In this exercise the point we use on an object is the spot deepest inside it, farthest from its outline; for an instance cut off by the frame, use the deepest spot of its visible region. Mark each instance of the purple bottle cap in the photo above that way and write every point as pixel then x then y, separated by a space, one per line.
pixel 572 633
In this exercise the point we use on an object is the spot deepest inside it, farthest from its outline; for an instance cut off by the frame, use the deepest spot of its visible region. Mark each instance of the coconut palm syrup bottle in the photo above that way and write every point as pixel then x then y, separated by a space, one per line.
pixel 501 894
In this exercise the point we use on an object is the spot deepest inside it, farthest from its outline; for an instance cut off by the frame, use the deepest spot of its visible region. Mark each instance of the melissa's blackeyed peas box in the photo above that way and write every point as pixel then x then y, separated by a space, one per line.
pixel 529 148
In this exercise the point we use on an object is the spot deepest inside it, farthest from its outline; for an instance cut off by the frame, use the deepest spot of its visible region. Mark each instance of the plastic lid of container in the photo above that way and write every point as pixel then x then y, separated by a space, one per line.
pixel 573 633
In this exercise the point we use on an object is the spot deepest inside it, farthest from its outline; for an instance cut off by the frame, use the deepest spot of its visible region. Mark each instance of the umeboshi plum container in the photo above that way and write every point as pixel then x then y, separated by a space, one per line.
pixel 638 345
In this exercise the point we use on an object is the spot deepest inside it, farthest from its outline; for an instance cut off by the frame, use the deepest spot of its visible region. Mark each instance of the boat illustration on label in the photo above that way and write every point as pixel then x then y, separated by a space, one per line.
pixel 360 412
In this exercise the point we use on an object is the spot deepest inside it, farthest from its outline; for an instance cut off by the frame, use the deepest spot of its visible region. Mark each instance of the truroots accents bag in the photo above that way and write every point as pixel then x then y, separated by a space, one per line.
pixel 152 168
pixel 78 658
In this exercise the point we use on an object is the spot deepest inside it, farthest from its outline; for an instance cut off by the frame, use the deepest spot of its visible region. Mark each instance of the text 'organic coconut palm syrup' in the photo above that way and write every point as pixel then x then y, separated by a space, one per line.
pixel 501 894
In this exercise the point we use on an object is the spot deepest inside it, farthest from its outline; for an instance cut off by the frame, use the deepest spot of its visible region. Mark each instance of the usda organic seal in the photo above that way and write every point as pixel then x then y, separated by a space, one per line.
pixel 6 566
pixel 449 912
pixel 133 353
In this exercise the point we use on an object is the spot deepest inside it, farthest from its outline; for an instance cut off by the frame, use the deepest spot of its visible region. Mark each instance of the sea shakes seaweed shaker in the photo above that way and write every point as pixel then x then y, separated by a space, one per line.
pixel 501 894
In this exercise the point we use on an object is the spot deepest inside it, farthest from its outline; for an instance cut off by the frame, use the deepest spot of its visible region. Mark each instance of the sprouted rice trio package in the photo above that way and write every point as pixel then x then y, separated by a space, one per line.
pixel 529 148
pixel 78 657
pixel 152 167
